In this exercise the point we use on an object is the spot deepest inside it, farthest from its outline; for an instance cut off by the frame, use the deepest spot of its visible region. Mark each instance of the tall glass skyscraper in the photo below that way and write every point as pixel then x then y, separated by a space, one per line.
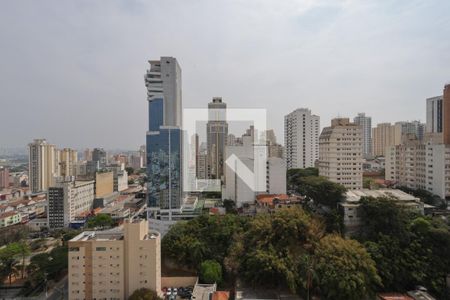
pixel 164 137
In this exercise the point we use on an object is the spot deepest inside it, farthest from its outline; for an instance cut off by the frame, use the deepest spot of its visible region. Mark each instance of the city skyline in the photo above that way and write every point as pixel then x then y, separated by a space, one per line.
pixel 94 71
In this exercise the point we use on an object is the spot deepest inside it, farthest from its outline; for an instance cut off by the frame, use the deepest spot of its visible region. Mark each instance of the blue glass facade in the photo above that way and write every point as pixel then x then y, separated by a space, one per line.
pixel 156 114
pixel 164 168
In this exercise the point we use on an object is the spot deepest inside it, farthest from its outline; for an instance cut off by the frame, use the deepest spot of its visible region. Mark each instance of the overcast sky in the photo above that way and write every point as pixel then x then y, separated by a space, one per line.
pixel 72 71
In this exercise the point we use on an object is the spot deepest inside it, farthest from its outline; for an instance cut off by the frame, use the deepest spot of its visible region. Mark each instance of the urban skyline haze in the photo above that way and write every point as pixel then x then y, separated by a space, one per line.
pixel 72 72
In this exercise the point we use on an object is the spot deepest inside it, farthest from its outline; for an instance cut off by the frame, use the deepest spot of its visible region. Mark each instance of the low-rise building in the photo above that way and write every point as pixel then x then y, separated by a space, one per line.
pixel 113 264
pixel 350 207
pixel 270 202
pixel 68 199
pixel 9 218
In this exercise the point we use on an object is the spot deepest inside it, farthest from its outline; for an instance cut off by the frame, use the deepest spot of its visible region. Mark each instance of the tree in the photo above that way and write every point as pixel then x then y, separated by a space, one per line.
pixel 101 221
pixel 345 269
pixel 144 294
pixel 230 206
pixel 210 272
pixel 274 246
pixel 129 170
pixel 8 261
pixel 23 250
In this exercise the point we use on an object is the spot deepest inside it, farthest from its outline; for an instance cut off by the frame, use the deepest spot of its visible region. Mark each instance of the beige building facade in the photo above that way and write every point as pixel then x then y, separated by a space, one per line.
pixel 113 264
pixel 385 135
pixel 340 153
pixel 104 184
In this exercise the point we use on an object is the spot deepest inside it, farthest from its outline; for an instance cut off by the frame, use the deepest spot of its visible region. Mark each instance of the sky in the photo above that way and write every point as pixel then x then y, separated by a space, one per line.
pixel 73 71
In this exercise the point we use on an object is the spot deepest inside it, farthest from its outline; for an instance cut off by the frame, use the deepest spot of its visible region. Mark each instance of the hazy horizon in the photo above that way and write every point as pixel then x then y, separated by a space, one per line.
pixel 73 72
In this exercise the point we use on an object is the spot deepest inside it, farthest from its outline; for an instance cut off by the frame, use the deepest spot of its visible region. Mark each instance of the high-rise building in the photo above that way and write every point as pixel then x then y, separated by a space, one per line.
pixel 419 165
pixel 250 156
pixel 67 162
pixel 340 153
pixel 383 136
pixel 366 125
pixel 164 137
pixel 99 155
pixel 435 115
pixel 68 199
pixel 301 138
pixel 446 116
pixel 4 177
pixel 216 136
pixel 113 264
pixel 42 165
pixel 87 155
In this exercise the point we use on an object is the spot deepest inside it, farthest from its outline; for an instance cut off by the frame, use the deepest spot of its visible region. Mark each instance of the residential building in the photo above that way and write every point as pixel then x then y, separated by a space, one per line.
pixel 68 159
pixel 216 137
pixel 446 114
pixel 340 153
pixel 113 264
pixel 385 135
pixel 9 218
pixel 87 154
pixel 419 165
pixel 301 138
pixel 271 202
pixel 68 199
pixel 350 206
pixel 136 161
pixel 252 157
pixel 42 165
pixel 4 178
pixel 366 125
pixel 164 138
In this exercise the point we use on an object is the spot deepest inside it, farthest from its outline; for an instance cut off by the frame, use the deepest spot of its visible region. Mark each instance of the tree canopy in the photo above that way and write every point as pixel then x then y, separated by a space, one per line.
pixel 144 294
pixel 210 272
pixel 100 220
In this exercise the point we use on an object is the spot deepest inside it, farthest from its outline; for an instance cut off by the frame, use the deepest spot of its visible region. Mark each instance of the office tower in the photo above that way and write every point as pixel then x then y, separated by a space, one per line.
pixel 446 117
pixel 4 178
pixel 113 264
pixel 216 136
pixel 340 153
pixel 99 155
pixel 301 138
pixel 435 115
pixel 164 137
pixel 366 125
pixel 67 161
pixel 42 165
pixel 68 199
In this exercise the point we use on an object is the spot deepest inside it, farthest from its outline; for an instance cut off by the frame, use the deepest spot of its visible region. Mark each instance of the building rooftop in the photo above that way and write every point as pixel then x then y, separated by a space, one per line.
pixel 355 195
pixel 393 296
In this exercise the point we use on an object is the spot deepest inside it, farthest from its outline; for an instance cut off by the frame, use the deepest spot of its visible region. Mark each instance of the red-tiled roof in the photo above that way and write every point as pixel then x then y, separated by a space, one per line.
pixel 221 295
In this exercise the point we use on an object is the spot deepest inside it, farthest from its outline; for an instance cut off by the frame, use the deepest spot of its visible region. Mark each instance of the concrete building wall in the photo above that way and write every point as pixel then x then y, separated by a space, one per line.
pixel 112 265
pixel 104 184
pixel 340 153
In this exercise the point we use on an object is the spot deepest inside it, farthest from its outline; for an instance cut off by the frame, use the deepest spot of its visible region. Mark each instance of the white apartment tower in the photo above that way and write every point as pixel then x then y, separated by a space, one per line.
pixel 340 154
pixel 366 125
pixel 42 165
pixel 301 137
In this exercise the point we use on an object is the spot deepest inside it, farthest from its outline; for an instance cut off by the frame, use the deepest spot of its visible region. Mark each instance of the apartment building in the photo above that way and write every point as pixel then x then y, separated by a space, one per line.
pixel 301 137
pixel 68 199
pixel 419 165
pixel 113 264
pixel 42 165
pixel 340 153
pixel 366 125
